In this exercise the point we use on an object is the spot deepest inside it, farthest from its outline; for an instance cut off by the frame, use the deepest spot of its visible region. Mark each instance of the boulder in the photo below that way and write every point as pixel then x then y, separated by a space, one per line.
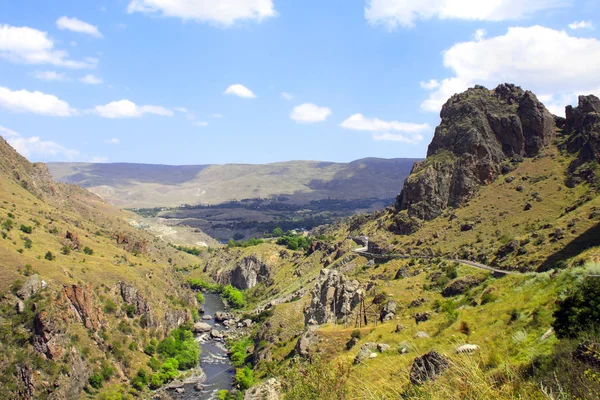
pixel 201 327
pixel 422 317
pixel 467 348
pixel 382 347
pixel 248 273
pixel 207 317
pixel 215 334
pixel 428 367
pixel 365 352
pixel 307 343
pixel 421 335
pixel 20 307
pixel 31 286
pixel 388 312
pixel 460 285
pixel 268 390
pixel 221 316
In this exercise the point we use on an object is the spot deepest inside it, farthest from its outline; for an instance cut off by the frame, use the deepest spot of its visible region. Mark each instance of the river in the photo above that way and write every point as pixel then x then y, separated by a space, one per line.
pixel 213 358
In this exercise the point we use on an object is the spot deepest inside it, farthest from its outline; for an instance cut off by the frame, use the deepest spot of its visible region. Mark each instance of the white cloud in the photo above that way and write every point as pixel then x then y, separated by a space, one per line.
pixel 217 116
pixel 7 132
pixel 112 141
pixel 128 109
pixel 221 12
pixel 581 25
pixel 431 84
pixel 34 102
pixel 30 46
pixel 381 130
pixel 201 124
pixel 287 96
pixel 90 79
pixel 240 91
pixel 76 25
pixel 189 115
pixel 391 13
pixel 50 76
pixel 532 57
pixel 309 113
pixel 479 35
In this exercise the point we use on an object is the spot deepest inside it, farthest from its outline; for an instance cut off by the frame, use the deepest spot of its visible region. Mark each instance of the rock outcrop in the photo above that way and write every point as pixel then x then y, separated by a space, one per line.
pixel 307 343
pixel 31 286
pixel 582 126
pixel 249 273
pixel 481 130
pixel 267 390
pixel 388 312
pixel 48 335
pixel 132 296
pixel 333 297
pixel 80 300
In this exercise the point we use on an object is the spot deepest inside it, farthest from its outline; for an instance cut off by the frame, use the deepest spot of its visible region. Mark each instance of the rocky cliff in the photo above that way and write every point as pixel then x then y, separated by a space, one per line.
pixel 482 133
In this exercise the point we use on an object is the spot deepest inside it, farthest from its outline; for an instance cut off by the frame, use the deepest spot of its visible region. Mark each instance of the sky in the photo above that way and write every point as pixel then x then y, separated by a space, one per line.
pixel 257 81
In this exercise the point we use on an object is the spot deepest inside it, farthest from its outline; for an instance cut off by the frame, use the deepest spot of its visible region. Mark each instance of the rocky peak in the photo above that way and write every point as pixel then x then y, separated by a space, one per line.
pixel 333 297
pixel 582 127
pixel 247 274
pixel 480 130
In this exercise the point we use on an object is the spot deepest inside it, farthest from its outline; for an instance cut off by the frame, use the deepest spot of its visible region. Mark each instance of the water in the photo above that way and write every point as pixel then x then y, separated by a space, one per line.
pixel 213 360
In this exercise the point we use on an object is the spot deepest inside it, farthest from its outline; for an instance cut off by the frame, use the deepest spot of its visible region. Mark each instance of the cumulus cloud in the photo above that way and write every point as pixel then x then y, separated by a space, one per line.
pixel 581 25
pixel 287 96
pixel 431 84
pixel 128 109
pixel 532 57
pixel 309 113
pixel 406 132
pixel 37 148
pixel 23 101
pixel 222 12
pixel 50 76
pixel 240 91
pixel 405 13
pixel 30 46
pixel 90 79
pixel 112 141
pixel 76 25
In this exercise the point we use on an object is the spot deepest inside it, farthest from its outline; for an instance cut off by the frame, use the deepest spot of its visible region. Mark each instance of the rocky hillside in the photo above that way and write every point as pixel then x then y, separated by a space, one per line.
pixel 464 287
pixel 146 186
pixel 82 292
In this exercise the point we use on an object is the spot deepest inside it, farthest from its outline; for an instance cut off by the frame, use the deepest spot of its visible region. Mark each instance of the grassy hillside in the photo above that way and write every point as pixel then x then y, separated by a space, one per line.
pixel 145 186
pixel 55 338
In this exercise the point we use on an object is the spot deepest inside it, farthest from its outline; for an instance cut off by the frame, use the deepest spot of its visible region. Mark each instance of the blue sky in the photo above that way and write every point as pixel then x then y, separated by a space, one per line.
pixel 255 81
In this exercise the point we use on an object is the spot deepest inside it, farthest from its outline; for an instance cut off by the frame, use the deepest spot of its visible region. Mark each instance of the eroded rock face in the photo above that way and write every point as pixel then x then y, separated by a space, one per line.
pixel 480 130
pixel 460 285
pixel 249 273
pixel 333 297
pixel 428 367
pixel 132 296
pixel 48 336
pixel 583 127
pixel 307 343
pixel 32 285
pixel 388 312
pixel 80 300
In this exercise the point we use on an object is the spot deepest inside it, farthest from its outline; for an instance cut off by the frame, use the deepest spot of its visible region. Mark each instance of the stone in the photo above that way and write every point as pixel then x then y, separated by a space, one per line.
pixel 31 286
pixel 467 348
pixel 388 312
pixel 207 317
pixel 365 352
pixel 399 328
pixel 402 273
pixel 528 206
pixel 547 334
pixel 421 335
pixel 247 323
pixel 180 390
pixel 351 343
pixel 428 367
pixel 81 303
pixel 198 387
pixel 268 390
pixel 382 347
pixel 307 343
pixel 422 317
pixel 201 327
pixel 373 355
pixel 215 334
pixel 221 316
pixel 20 307
pixel 460 285
pixel 418 302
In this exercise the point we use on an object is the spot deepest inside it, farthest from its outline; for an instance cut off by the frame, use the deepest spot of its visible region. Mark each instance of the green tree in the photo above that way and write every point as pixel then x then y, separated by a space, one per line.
pixel 580 310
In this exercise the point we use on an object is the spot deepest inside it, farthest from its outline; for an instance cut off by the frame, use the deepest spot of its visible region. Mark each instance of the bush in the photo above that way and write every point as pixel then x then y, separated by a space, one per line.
pixel 88 251
pixel 96 380
pixel 66 250
pixel 580 310
pixel 294 242
pixel 200 298
pixel 356 334
pixel 199 284
pixel 26 229
pixel 233 296
pixel 248 243
pixel 8 224
pixel 277 232
pixel 49 256
pixel 244 378
pixel 110 307
pixel 239 351
pixel 180 346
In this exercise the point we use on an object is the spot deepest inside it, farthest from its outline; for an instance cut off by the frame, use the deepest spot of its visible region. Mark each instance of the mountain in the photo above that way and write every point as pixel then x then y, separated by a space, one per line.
pixel 82 291
pixel 148 186
pixel 481 282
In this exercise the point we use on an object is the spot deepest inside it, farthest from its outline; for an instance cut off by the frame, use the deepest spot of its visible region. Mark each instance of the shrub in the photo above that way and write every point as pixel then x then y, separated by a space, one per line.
pixel 233 296
pixel 26 229
pixel 198 284
pixel 110 307
pixel 129 310
pixel 580 310
pixel 239 351
pixel 49 256
pixel 8 224
pixel 28 270
pixel 27 243
pixel 180 346
pixel 200 298
pixel 88 251
pixel 277 232
pixel 96 380
pixel 294 242
pixel 66 250
pixel 244 378
pixel 356 334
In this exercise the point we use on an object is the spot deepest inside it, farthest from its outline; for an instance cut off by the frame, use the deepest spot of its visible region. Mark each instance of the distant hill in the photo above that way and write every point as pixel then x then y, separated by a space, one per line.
pixel 147 185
